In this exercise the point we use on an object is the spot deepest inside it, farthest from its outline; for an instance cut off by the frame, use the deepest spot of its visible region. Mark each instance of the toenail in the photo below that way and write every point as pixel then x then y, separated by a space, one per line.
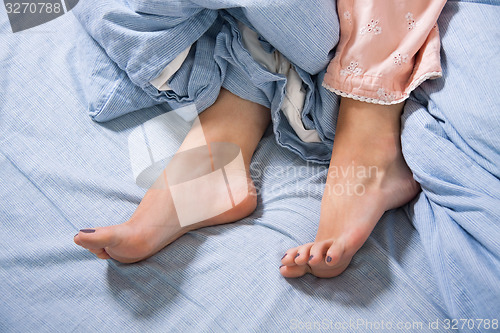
pixel 328 259
pixel 75 235
pixel 281 266
pixel 310 258
pixel 87 231
pixel 298 254
pixel 284 256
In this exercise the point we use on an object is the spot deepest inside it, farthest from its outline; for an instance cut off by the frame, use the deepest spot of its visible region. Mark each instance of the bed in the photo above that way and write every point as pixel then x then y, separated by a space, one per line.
pixel 432 265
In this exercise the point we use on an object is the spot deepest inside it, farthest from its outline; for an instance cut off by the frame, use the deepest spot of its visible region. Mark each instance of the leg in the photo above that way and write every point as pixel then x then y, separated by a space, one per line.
pixel 367 176
pixel 154 224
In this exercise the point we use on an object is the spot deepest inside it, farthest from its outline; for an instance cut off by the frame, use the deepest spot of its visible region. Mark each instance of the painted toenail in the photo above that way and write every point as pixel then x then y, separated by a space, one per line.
pixel 328 259
pixel 75 235
pixel 310 258
pixel 87 231
pixel 284 256
pixel 298 254
pixel 282 266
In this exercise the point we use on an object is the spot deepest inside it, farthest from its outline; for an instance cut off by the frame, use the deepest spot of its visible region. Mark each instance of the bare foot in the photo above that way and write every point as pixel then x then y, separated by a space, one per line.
pixel 367 176
pixel 156 223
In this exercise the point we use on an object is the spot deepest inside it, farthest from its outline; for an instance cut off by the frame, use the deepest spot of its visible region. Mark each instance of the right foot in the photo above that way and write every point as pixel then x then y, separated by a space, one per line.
pixel 353 202
pixel 367 176
pixel 155 223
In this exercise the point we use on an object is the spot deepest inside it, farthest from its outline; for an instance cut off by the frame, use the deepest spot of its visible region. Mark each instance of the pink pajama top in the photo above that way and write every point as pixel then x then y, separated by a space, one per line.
pixel 387 48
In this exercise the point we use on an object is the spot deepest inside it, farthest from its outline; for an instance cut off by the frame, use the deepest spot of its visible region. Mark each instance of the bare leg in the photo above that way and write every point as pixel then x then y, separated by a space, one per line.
pixel 367 176
pixel 155 224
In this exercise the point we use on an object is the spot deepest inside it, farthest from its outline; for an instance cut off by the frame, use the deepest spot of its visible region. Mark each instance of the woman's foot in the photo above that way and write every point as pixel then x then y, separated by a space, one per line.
pixel 367 176
pixel 156 223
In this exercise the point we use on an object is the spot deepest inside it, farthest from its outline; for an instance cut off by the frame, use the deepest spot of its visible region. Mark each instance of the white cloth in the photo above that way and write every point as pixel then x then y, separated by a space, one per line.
pixel 275 62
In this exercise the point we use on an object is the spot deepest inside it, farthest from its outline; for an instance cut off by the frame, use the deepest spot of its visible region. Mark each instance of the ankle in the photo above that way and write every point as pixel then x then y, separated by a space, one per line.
pixel 377 153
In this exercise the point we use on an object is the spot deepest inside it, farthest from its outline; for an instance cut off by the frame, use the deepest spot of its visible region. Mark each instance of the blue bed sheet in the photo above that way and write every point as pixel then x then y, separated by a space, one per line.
pixel 433 260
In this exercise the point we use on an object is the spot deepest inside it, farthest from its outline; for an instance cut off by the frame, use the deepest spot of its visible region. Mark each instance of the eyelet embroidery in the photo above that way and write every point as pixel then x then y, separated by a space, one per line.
pixel 400 59
pixel 385 96
pixel 410 21
pixel 352 69
pixel 371 27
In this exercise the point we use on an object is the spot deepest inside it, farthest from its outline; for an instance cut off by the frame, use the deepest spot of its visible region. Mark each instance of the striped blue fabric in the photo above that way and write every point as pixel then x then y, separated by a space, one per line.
pixel 431 261
pixel 451 141
pixel 142 37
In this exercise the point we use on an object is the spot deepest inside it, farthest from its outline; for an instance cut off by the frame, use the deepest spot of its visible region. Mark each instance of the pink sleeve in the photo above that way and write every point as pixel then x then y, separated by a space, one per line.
pixel 387 48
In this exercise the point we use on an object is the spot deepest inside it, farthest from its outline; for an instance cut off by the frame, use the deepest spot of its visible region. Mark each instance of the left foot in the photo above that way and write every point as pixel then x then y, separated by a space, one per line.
pixel 157 221
pixel 367 176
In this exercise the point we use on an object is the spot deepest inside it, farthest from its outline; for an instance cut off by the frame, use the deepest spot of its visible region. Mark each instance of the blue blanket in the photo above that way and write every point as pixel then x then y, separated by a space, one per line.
pixel 432 261
pixel 140 38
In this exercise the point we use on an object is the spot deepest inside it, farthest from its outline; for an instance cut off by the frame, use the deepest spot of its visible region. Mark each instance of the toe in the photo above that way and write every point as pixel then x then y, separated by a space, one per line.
pixel 76 239
pixel 293 271
pixel 288 258
pixel 96 251
pixel 98 238
pixel 100 253
pixel 303 254
pixel 103 255
pixel 335 253
pixel 318 251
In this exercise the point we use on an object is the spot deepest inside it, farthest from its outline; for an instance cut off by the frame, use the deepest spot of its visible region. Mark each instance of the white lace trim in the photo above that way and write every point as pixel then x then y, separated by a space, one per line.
pixel 420 80
pixel 406 94
pixel 361 98
pixel 386 96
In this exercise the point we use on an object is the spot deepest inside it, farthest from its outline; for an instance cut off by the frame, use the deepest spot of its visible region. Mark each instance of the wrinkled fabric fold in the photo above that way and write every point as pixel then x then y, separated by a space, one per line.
pixel 144 37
